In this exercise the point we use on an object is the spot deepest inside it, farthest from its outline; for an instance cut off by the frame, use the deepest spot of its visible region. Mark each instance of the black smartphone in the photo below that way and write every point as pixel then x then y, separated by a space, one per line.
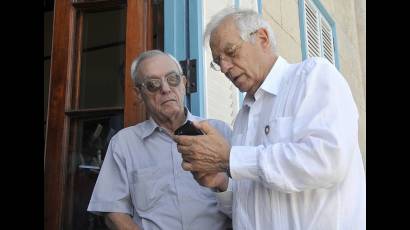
pixel 188 129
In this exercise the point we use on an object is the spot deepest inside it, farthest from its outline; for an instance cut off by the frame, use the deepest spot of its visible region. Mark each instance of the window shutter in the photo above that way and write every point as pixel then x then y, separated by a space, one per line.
pixel 319 38
pixel 312 30
pixel 327 41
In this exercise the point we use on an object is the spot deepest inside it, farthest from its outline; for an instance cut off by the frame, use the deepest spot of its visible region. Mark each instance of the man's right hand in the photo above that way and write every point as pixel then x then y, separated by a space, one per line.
pixel 212 180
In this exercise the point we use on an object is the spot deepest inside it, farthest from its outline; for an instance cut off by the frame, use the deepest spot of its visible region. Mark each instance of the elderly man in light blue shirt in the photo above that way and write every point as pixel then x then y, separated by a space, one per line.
pixel 142 184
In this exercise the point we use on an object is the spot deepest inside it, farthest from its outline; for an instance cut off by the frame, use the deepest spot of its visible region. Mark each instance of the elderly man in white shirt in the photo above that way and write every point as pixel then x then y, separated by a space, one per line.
pixel 295 161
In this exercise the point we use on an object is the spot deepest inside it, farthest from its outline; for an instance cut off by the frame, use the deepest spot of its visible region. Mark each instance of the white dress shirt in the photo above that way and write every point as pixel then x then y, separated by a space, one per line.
pixel 295 158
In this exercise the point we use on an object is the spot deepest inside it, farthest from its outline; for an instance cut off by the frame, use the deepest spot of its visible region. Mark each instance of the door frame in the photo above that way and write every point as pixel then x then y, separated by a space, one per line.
pixel 64 69
pixel 175 43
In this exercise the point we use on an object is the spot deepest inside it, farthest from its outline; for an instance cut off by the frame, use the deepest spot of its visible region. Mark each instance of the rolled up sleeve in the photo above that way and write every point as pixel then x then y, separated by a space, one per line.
pixel 111 192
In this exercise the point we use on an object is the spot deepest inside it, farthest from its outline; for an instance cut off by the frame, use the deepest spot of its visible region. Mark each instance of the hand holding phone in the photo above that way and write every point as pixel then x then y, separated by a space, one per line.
pixel 188 129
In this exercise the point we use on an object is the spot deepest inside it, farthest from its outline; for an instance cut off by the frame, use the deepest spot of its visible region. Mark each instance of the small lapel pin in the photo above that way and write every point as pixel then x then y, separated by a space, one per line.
pixel 267 128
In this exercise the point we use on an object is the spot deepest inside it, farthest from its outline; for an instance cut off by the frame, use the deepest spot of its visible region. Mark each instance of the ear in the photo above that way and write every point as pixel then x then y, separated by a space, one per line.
pixel 185 83
pixel 138 94
pixel 184 80
pixel 263 36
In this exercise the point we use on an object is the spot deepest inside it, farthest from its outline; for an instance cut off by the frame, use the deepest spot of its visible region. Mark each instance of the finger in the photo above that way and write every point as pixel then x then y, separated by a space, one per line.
pixel 184 150
pixel 186 153
pixel 187 158
pixel 205 127
pixel 182 139
pixel 175 137
pixel 200 175
pixel 197 124
pixel 186 166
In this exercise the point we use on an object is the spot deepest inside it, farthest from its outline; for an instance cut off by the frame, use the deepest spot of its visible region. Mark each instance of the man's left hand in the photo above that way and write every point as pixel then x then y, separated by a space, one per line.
pixel 208 153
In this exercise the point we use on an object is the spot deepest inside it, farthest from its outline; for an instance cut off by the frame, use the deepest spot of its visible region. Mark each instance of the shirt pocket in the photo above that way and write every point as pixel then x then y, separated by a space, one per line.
pixel 280 130
pixel 148 186
pixel 193 190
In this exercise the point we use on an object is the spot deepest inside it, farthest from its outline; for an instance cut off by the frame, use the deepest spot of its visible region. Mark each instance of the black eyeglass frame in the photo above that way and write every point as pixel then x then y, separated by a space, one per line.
pixel 157 83
pixel 231 53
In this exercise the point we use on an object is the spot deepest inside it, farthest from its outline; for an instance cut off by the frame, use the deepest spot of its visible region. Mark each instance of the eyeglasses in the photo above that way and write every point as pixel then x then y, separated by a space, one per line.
pixel 229 53
pixel 154 84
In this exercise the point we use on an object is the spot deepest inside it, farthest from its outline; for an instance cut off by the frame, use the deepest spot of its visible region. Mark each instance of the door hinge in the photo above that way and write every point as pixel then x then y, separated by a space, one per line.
pixel 190 74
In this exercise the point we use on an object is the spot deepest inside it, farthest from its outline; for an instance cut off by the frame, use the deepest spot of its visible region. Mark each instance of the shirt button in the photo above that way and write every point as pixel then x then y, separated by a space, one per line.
pixel 267 129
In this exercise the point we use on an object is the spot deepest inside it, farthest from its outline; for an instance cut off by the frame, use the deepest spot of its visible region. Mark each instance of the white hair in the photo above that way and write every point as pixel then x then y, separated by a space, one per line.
pixel 145 55
pixel 246 21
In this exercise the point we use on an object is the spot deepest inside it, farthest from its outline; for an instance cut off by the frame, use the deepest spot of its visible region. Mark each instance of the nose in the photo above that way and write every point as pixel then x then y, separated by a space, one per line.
pixel 165 88
pixel 225 65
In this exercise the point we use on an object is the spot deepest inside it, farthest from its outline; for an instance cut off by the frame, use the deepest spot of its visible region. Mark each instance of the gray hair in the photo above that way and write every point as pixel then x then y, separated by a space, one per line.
pixel 246 21
pixel 145 55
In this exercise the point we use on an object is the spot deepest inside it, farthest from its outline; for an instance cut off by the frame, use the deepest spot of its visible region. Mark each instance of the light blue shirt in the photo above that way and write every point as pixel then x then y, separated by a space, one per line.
pixel 142 176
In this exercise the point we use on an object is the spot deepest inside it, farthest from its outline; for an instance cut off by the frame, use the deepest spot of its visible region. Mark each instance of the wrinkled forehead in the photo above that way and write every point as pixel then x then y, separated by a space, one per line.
pixel 224 34
pixel 157 66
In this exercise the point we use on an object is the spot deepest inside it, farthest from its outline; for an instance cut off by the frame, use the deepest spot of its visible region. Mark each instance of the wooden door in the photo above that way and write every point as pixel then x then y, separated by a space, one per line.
pixel 91 96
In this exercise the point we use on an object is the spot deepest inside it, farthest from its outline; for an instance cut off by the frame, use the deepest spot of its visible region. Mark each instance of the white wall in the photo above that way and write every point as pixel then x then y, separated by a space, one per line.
pixel 221 96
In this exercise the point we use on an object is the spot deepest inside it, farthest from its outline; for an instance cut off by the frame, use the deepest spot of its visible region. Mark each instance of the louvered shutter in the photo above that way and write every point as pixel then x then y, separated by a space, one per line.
pixel 327 41
pixel 319 38
pixel 312 30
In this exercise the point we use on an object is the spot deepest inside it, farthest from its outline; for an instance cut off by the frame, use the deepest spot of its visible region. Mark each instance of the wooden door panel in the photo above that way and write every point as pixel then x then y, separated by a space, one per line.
pixel 56 122
pixel 64 110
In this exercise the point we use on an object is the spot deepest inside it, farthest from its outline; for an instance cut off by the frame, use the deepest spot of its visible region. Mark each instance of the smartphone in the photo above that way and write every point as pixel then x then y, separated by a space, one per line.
pixel 188 129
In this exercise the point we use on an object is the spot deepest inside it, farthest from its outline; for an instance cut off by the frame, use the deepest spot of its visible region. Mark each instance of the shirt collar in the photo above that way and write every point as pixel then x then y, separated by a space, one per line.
pixel 272 82
pixel 150 125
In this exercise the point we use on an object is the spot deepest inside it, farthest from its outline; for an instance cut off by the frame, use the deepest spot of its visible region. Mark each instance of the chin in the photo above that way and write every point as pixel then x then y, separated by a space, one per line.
pixel 172 108
pixel 241 87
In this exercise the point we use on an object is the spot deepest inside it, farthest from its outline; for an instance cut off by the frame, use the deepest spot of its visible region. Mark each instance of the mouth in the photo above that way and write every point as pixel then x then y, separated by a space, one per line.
pixel 169 100
pixel 235 79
